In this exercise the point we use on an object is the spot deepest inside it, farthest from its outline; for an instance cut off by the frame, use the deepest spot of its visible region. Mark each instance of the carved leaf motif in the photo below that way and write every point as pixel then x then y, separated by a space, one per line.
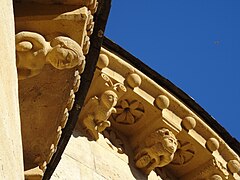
pixel 184 153
pixel 121 117
pixel 137 113
pixel 128 112
pixel 124 104
pixel 134 105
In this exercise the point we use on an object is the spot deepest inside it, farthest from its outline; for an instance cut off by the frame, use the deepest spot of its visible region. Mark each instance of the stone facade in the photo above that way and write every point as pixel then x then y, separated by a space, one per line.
pixel 11 159
pixel 126 125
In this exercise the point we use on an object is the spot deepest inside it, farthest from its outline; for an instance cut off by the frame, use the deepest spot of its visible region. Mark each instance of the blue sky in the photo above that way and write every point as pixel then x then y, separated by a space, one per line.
pixel 195 44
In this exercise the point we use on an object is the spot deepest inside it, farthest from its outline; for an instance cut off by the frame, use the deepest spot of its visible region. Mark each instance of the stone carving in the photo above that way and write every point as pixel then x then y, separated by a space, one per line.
pixel 212 144
pixel 77 80
pixel 209 170
pixel 100 109
pixel 115 141
pixel 117 87
pixel 33 52
pixel 128 112
pixel 134 80
pixel 215 177
pixel 162 102
pixel 233 166
pixel 156 151
pixel 185 152
pixel 188 123
pixel 103 61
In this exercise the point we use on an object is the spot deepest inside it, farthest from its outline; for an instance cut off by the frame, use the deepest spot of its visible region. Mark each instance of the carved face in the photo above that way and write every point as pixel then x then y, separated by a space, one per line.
pixel 62 58
pixel 66 53
pixel 170 144
pixel 109 98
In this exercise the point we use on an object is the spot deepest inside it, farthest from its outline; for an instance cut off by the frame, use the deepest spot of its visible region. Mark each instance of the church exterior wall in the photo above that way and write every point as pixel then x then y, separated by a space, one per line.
pixel 11 159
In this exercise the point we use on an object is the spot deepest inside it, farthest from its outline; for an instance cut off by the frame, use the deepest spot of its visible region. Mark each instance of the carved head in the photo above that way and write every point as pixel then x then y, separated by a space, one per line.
pixel 109 98
pixel 65 53
pixel 31 49
pixel 169 140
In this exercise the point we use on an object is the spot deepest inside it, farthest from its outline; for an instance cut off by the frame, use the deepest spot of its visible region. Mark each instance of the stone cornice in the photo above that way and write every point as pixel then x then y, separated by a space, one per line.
pixel 166 84
pixel 145 108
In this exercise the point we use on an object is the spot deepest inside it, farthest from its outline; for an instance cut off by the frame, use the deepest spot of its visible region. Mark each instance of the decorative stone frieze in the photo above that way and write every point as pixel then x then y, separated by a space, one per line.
pixel 146 106
pixel 157 150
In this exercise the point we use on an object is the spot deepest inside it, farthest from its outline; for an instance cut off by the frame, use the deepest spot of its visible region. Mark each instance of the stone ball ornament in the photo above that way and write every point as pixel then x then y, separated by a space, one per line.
pixel 212 144
pixel 188 123
pixel 134 80
pixel 162 102
pixel 233 166
pixel 215 177
pixel 103 61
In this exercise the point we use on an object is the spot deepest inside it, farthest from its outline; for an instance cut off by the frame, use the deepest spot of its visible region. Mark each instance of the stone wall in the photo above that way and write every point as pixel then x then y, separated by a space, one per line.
pixel 84 159
pixel 11 161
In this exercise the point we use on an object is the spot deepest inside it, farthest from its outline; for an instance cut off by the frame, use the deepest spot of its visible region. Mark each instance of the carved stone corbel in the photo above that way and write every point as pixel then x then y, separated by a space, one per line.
pixel 100 108
pixel 157 150
pixel 33 52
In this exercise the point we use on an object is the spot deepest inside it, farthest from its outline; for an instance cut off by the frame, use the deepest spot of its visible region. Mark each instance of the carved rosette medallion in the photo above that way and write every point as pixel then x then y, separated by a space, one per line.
pixel 128 112
pixel 184 154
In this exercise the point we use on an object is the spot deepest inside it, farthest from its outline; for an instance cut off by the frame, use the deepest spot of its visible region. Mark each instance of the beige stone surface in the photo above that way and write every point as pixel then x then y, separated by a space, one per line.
pixel 91 160
pixel 11 161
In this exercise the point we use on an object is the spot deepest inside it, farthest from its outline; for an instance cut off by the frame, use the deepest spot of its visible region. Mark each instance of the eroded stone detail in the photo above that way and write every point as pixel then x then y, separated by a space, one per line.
pixel 128 112
pixel 115 140
pixel 184 154
pixel 210 170
pixel 100 109
pixel 33 52
pixel 157 150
